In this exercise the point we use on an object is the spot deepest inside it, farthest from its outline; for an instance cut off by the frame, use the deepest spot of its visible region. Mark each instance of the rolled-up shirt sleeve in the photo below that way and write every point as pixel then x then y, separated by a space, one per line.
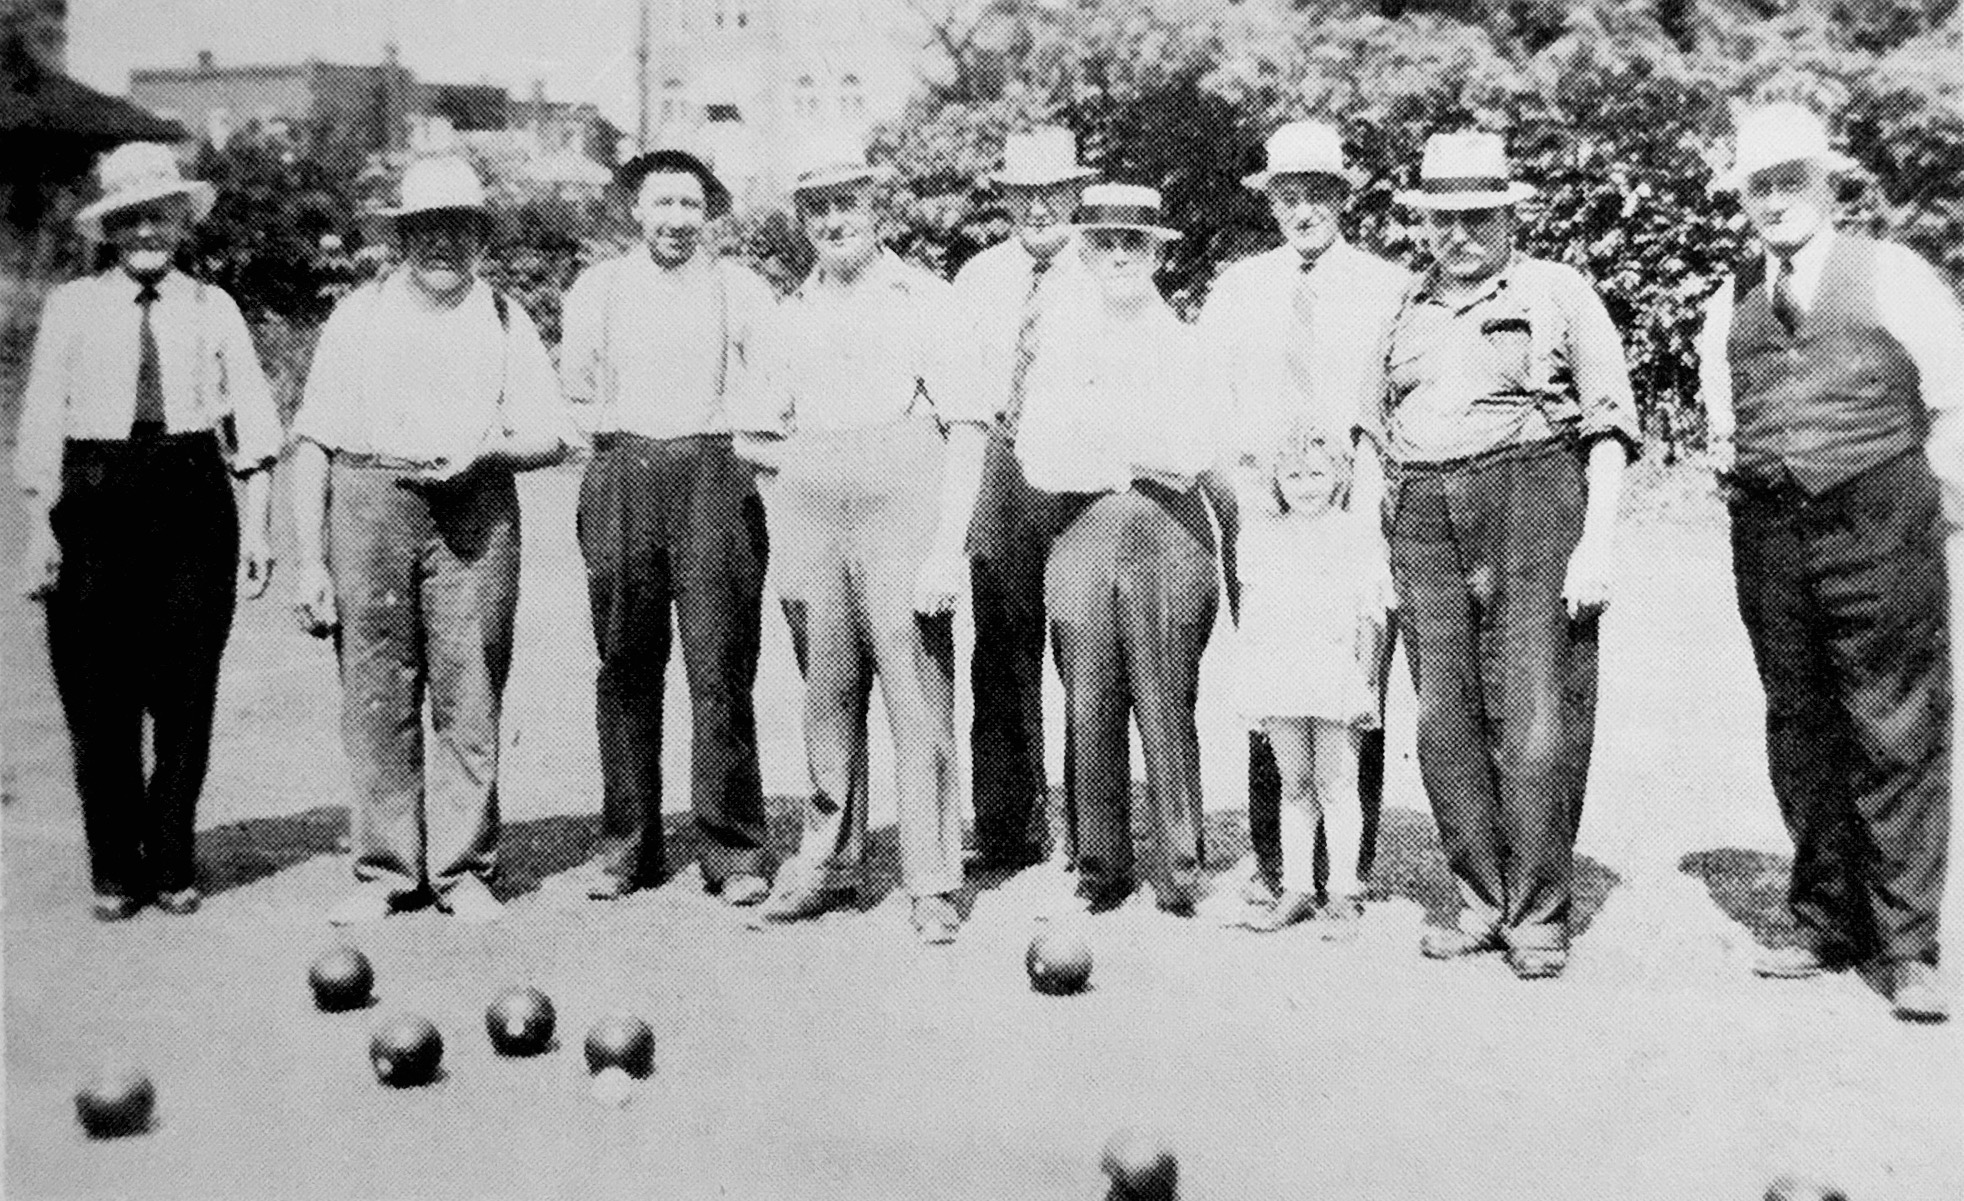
pixel 584 314
pixel 759 399
pixel 1922 314
pixel 44 404
pixel 533 406
pixel 955 366
pixel 1600 373
pixel 329 413
pixel 1714 371
pixel 246 395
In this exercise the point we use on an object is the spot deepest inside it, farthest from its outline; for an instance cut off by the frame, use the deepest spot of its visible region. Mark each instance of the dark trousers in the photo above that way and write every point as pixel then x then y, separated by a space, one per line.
pixel 426 581
pixel 137 627
pixel 1845 599
pixel 1264 779
pixel 1506 680
pixel 675 523
pixel 1132 592
pixel 1014 527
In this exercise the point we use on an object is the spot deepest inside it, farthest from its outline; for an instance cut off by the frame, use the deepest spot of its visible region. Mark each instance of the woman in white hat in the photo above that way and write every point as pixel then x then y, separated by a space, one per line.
pixel 1116 428
pixel 145 390
pixel 861 381
pixel 1504 420
pixel 428 391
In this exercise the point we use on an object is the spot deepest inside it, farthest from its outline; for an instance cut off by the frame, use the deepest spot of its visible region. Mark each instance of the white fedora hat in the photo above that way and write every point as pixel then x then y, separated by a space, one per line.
pixel 1123 206
pixel 1044 155
pixel 1304 148
pixel 138 173
pixel 831 159
pixel 1466 170
pixel 1781 133
pixel 437 184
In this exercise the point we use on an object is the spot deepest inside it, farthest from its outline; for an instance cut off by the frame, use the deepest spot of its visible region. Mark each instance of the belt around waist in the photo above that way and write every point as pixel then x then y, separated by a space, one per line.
pixel 1487 458
pixel 607 440
pixel 147 442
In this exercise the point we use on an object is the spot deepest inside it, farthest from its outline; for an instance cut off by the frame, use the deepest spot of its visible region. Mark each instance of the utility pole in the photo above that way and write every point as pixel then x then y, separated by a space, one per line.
pixel 643 49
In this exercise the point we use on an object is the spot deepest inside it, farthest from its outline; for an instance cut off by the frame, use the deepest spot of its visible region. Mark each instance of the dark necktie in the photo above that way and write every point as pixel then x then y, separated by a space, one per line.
pixel 1785 307
pixel 149 420
pixel 1026 347
pixel 1301 343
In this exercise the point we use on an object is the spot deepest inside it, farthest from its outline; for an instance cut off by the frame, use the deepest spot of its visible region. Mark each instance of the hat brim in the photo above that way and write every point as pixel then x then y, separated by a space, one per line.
pixel 1158 231
pixel 397 213
pixel 1259 181
pixel 628 176
pixel 1461 202
pixel 835 176
pixel 201 194
pixel 1002 179
pixel 1735 178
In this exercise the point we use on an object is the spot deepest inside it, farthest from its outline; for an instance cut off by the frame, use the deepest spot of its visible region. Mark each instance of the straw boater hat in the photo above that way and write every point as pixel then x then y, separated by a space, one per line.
pixel 139 173
pixel 716 197
pixel 1039 157
pixel 1304 148
pixel 1465 171
pixel 446 183
pixel 833 159
pixel 1781 133
pixel 1123 206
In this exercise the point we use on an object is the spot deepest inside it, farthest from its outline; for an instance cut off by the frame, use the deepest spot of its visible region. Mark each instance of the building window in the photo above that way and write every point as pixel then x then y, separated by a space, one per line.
pixel 722 114
pixel 852 100
pixel 743 19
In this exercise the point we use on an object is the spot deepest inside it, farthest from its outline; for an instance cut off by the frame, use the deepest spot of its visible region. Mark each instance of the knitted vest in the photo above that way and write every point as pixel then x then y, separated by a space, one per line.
pixel 1832 399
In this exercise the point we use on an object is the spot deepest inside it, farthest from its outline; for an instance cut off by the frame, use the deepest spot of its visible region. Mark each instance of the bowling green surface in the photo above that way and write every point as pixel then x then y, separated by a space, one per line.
pixel 841 1059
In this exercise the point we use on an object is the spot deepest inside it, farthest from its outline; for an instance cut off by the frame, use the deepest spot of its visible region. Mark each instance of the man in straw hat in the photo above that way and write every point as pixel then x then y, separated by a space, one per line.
pixel 1293 333
pixel 1002 290
pixel 656 339
pixel 144 391
pixel 1830 397
pixel 1116 428
pixel 1503 423
pixel 862 379
pixel 427 393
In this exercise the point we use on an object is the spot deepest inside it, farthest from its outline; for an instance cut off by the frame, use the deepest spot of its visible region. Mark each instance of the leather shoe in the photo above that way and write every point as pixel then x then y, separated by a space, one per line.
pixel 114 907
pixel 1457 944
pixel 1789 963
pixel 182 902
pixel 1537 963
pixel 1918 994
pixel 1289 908
pixel 936 919
pixel 743 890
pixel 800 901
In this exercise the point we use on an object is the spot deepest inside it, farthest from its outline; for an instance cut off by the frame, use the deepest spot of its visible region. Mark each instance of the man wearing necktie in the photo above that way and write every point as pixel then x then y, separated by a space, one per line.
pixel 1833 378
pixel 1293 335
pixel 145 388
pixel 1004 289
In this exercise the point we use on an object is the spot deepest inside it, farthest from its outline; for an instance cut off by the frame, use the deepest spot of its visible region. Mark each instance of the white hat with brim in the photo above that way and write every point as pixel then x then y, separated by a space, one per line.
pixel 141 173
pixel 1464 171
pixel 1123 206
pixel 439 185
pixel 1779 134
pixel 1304 148
pixel 1041 157
pixel 831 161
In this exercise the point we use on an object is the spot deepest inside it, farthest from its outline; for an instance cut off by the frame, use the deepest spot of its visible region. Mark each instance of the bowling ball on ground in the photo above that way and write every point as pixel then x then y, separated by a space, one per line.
pixel 341 979
pixel 116 1102
pixel 520 1022
pixel 1059 962
pixel 1796 1188
pixel 1142 1166
pixel 621 1041
pixel 406 1051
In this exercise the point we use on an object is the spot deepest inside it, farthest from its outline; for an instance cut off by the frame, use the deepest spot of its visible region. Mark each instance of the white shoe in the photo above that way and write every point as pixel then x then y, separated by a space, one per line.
pixel 366 905
pixel 470 901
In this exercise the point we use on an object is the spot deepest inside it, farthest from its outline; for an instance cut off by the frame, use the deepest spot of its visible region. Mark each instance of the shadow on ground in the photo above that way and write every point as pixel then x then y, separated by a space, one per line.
pixel 1750 887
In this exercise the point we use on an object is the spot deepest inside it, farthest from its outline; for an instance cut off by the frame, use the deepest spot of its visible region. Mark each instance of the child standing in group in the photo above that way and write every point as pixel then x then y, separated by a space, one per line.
pixel 1306 663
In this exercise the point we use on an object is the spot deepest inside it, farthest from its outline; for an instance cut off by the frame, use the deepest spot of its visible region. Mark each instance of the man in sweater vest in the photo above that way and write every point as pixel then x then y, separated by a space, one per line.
pixel 1825 391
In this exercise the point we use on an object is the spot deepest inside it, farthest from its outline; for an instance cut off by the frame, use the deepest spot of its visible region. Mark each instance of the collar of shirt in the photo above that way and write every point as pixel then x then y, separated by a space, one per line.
pixel 884 271
pixel 1428 288
pixel 1809 262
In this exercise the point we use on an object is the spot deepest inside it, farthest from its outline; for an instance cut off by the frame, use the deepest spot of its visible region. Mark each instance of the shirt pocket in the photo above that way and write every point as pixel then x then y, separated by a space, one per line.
pixel 1504 358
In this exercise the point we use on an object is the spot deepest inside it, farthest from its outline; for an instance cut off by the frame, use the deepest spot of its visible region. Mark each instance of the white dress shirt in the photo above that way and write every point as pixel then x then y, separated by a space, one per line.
pixel 863 354
pixel 396 377
pixel 86 354
pixel 992 291
pixel 1109 396
pixel 1911 301
pixel 655 351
